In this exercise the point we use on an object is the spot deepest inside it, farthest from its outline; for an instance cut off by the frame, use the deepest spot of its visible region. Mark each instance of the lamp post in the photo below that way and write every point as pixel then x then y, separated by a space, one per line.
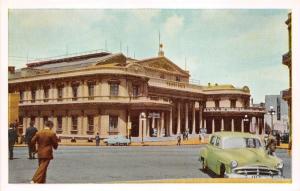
pixel 143 118
pixel 245 120
pixel 271 112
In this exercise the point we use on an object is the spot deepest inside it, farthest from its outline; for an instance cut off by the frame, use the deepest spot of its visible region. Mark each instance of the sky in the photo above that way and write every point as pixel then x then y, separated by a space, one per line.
pixel 235 46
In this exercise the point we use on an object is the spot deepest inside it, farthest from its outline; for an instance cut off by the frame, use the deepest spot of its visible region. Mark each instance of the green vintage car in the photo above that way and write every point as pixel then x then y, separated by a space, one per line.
pixel 239 155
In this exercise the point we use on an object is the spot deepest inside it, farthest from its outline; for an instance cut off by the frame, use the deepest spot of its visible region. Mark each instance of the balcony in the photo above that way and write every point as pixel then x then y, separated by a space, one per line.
pixel 287 94
pixel 235 109
pixel 287 59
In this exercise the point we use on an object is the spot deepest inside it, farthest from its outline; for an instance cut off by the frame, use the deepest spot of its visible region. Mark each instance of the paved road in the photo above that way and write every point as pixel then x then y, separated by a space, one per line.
pixel 114 164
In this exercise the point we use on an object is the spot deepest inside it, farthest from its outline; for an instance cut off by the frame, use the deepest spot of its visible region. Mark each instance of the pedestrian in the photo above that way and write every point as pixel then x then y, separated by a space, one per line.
pixel 46 140
pixel 97 138
pixel 271 145
pixel 178 140
pixel 278 139
pixel 12 137
pixel 187 135
pixel 29 133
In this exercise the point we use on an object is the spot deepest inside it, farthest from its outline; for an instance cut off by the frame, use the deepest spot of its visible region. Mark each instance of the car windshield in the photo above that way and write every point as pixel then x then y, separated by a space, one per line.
pixel 241 142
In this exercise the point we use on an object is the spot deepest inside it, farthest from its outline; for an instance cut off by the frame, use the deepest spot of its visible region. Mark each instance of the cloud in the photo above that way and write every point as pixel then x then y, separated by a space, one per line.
pixel 145 15
pixel 173 24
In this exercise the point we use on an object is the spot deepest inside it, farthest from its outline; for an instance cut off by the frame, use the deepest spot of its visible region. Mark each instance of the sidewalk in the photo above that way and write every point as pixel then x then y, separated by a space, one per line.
pixel 190 141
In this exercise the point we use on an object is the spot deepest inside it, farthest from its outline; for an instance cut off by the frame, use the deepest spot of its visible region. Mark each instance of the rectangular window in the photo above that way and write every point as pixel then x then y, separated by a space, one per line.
pixel 114 89
pixel 46 94
pixel 90 123
pixel 217 103
pixel 59 122
pixel 113 123
pixel 232 103
pixel 75 92
pixel 74 123
pixel 33 96
pixel 21 96
pixel 135 90
pixel 91 88
pixel 60 93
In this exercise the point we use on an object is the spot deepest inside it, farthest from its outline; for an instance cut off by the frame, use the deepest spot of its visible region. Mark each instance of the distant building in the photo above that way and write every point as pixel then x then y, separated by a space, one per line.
pixel 280 116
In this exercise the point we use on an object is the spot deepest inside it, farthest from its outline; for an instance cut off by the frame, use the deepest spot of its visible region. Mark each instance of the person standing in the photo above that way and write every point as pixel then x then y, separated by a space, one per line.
pixel 178 140
pixel 29 133
pixel 97 139
pixel 12 137
pixel 271 145
pixel 46 140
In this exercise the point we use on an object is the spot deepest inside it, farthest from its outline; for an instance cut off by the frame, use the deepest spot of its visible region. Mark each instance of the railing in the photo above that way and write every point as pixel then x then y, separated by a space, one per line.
pixel 234 109
pixel 173 84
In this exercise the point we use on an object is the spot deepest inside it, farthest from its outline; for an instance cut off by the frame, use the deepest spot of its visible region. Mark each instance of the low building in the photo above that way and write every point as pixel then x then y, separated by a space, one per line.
pixel 113 94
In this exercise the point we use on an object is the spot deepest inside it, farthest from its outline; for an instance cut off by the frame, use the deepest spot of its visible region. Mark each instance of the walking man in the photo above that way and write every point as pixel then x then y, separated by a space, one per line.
pixel 30 132
pixel 97 138
pixel 12 137
pixel 178 140
pixel 46 140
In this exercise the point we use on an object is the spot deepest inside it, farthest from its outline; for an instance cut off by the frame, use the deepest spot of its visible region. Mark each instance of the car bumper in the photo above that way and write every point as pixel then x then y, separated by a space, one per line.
pixel 232 175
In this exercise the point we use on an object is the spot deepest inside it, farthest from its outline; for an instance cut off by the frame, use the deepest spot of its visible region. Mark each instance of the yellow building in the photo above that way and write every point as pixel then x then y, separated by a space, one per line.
pixel 112 94
pixel 287 60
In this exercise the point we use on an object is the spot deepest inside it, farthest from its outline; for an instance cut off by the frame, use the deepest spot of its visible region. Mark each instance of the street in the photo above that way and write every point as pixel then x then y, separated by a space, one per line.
pixel 75 164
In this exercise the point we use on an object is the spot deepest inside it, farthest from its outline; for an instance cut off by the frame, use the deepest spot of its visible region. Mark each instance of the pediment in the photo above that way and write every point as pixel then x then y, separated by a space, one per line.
pixel 163 64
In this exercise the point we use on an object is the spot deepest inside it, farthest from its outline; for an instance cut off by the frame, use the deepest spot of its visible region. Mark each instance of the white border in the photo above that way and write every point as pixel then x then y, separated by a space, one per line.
pixel 191 4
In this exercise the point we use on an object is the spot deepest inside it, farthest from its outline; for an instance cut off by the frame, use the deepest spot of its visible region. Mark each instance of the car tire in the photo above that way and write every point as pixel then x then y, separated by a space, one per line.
pixel 203 166
pixel 222 171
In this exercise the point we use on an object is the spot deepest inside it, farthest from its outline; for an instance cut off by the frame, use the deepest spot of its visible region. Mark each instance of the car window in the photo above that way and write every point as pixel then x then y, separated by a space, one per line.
pixel 218 142
pixel 213 140
pixel 241 142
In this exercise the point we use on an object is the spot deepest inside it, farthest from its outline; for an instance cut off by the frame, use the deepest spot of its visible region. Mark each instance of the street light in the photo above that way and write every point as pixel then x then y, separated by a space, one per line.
pixel 272 112
pixel 245 119
pixel 143 118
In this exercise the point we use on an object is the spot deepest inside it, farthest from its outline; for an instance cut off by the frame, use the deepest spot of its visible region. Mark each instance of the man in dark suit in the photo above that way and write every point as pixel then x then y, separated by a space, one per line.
pixel 12 137
pixel 46 140
pixel 30 132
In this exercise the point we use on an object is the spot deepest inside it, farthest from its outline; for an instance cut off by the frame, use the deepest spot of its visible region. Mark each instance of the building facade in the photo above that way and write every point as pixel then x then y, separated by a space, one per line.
pixel 287 60
pixel 115 95
pixel 278 120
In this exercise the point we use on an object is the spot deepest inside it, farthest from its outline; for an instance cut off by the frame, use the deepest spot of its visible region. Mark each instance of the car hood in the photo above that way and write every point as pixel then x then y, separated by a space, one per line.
pixel 251 156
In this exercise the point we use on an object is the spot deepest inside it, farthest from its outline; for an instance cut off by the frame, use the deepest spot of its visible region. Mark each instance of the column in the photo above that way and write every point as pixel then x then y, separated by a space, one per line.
pixel 242 125
pixel 153 123
pixel 159 126
pixel 85 90
pixel 54 120
pixel 51 93
pixel 178 119
pixel 55 93
pixel 70 93
pixel 171 123
pixel 69 123
pixel 162 124
pixel 222 124
pixel 41 123
pixel 37 95
pixel 200 115
pixel 24 124
pixel 148 127
pixel 128 124
pixel 204 122
pixel 64 124
pixel 251 125
pixel 193 119
pixel 232 125
pixel 84 124
pixel 186 116
pixel 256 126
pixel 213 125
pixel 98 89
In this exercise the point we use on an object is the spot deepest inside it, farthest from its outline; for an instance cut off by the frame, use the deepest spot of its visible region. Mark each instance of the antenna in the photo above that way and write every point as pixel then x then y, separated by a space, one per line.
pixel 159 38
pixel 120 46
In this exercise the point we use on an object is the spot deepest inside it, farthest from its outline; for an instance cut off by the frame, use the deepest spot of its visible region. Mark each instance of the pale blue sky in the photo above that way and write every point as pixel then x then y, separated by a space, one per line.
pixel 239 47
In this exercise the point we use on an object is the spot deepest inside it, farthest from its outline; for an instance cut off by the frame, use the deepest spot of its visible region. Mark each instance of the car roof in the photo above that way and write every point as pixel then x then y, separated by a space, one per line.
pixel 225 134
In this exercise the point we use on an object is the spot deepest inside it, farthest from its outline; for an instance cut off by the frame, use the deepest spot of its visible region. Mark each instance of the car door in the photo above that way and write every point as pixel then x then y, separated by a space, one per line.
pixel 210 149
pixel 214 155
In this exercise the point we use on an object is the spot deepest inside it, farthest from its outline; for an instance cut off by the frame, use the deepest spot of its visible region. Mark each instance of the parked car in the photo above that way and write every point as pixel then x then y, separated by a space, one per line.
pixel 239 155
pixel 117 140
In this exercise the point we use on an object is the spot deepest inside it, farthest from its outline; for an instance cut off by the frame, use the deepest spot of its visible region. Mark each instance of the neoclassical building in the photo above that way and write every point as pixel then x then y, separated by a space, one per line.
pixel 116 95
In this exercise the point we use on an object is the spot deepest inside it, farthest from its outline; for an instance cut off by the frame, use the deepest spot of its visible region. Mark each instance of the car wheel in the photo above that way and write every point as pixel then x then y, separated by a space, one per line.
pixel 203 166
pixel 222 171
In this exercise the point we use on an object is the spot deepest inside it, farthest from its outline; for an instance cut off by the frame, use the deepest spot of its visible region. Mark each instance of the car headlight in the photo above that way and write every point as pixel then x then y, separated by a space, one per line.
pixel 279 165
pixel 234 164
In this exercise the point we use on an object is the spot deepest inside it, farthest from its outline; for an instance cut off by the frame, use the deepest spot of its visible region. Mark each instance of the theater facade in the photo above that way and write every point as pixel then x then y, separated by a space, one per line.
pixel 112 94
